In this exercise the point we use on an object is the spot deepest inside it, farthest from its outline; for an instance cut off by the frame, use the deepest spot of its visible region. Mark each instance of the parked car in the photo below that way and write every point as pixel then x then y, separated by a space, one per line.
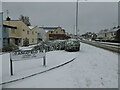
pixel 72 45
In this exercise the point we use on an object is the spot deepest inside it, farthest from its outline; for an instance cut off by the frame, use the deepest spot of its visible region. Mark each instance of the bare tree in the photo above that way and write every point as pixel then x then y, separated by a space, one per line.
pixel 25 19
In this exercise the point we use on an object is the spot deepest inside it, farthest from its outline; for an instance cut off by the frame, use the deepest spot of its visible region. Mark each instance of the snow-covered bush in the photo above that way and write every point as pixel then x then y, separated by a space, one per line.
pixel 59 44
pixel 72 45
pixel 10 48
pixel 51 45
pixel 69 45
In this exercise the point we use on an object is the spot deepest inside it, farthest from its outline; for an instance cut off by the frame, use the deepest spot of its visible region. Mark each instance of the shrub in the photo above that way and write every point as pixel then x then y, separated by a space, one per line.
pixel 72 45
pixel 10 48
pixel 26 42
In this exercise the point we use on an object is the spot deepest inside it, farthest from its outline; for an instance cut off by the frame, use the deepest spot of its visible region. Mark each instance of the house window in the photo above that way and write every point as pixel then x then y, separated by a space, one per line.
pixel 56 32
pixel 32 33
pixel 4 29
pixel 27 32
pixel 32 40
pixel 13 31
pixel 23 30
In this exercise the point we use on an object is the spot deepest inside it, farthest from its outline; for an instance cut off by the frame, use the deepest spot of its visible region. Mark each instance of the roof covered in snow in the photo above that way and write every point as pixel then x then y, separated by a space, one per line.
pixel 31 27
pixel 46 31
pixel 50 28
pixel 109 30
pixel 113 30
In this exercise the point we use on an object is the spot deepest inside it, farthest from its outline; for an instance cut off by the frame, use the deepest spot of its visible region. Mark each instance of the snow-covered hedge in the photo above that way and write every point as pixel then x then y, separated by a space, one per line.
pixel 58 45
pixel 72 45
pixel 51 45
pixel 9 48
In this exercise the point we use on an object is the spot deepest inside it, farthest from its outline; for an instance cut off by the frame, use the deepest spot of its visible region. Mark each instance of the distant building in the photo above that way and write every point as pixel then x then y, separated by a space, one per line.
pixel 16 31
pixel 1 26
pixel 112 34
pixel 71 35
pixel 41 34
pixel 102 34
pixel 53 33
pixel 94 36
pixel 89 35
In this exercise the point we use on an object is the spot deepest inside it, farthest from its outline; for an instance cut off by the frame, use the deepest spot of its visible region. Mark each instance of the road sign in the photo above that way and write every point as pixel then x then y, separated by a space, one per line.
pixel 22 55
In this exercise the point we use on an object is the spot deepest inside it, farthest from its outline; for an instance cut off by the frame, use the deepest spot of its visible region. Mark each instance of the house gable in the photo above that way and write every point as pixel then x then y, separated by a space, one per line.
pixel 23 31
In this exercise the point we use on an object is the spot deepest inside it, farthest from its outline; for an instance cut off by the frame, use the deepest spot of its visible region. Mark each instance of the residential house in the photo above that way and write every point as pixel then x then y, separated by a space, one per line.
pixel 102 34
pixel 18 31
pixel 112 34
pixel 94 36
pixel 53 33
pixel 89 35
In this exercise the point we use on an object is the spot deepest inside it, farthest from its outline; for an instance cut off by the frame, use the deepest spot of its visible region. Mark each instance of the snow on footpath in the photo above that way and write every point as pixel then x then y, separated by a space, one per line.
pixel 93 68
pixel 28 67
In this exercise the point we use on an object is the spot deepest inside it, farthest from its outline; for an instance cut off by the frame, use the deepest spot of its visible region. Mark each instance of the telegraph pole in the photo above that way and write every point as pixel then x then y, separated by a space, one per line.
pixel 77 17
pixel 7 13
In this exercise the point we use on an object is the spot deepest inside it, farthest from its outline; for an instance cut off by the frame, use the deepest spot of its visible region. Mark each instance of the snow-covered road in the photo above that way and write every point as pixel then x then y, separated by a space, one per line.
pixel 93 68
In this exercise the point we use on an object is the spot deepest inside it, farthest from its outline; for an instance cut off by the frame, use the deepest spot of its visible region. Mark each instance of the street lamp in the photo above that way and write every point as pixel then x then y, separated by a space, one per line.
pixel 77 13
pixel 77 17
pixel 1 28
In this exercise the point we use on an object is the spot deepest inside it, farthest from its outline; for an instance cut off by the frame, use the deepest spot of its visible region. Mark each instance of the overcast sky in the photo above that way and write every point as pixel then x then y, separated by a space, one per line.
pixel 93 16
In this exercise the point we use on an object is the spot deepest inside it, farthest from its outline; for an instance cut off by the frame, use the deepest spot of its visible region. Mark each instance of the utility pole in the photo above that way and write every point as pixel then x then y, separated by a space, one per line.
pixel 77 17
pixel 7 13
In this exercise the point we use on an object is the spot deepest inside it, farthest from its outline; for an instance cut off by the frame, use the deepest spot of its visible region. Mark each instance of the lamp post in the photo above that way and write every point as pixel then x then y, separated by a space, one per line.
pixel 1 34
pixel 77 17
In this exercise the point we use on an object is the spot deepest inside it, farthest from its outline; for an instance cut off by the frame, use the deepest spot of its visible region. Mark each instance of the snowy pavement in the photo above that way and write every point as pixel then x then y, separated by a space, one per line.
pixel 93 68
pixel 28 67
